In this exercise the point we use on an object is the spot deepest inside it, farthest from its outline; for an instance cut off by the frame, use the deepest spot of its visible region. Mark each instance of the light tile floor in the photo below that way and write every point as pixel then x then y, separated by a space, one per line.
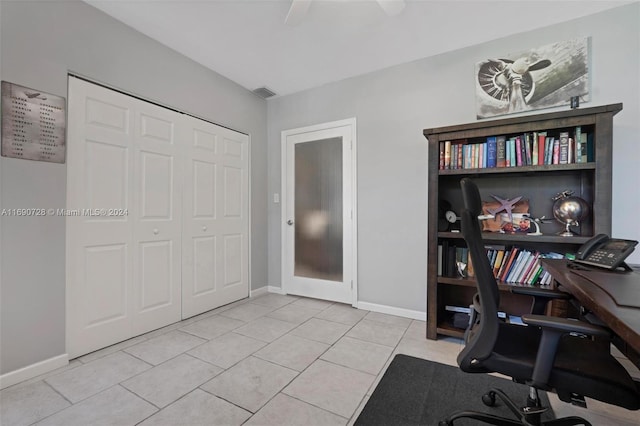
pixel 269 360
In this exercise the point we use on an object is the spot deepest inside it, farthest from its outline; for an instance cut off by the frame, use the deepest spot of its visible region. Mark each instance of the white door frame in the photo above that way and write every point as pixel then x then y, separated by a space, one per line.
pixel 351 122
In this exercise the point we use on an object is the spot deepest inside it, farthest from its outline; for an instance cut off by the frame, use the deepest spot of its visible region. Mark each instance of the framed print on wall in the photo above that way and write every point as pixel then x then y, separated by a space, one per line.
pixel 538 78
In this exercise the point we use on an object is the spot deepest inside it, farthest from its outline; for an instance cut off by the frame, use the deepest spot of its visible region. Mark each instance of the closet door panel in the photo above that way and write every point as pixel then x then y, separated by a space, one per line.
pixel 215 218
pixel 157 218
pixel 99 245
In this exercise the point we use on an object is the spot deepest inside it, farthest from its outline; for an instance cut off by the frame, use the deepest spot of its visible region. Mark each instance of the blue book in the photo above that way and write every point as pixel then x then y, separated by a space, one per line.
pixel 484 156
pixel 492 151
pixel 514 162
pixel 590 150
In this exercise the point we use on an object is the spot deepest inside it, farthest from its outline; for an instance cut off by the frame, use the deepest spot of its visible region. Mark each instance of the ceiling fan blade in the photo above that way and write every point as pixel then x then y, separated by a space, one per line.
pixel 392 7
pixel 297 11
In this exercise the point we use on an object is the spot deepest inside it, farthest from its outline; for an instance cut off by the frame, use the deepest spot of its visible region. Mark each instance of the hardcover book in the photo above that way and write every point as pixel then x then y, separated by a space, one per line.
pixel 447 154
pixel 556 151
pixel 578 139
pixel 542 137
pixel 564 148
pixel 501 159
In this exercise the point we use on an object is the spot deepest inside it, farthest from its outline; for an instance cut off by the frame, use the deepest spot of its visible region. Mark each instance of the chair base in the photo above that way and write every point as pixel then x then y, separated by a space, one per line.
pixel 525 416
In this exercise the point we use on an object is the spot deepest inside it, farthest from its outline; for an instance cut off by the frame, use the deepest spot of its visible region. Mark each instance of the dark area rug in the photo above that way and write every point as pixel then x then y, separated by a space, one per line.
pixel 415 391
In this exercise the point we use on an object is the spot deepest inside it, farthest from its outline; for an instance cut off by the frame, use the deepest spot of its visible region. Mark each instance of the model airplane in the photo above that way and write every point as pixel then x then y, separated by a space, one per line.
pixel 505 205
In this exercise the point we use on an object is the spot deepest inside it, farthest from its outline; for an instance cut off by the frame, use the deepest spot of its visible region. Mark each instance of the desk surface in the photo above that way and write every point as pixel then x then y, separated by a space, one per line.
pixel 624 321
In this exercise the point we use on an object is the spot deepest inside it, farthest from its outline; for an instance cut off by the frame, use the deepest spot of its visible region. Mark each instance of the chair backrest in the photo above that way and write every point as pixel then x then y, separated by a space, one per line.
pixel 471 196
pixel 482 335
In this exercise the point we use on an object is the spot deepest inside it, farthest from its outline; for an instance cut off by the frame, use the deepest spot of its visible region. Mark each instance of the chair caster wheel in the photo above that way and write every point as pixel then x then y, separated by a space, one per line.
pixel 445 423
pixel 489 399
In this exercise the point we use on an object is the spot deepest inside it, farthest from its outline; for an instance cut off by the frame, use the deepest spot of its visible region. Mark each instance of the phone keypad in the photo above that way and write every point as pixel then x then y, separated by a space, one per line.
pixel 602 257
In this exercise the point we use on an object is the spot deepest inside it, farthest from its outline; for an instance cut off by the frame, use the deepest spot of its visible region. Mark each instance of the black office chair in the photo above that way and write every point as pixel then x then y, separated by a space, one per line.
pixel 553 354
pixel 541 297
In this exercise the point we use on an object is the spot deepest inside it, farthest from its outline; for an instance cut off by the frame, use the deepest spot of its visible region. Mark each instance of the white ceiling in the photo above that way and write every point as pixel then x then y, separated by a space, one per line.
pixel 248 42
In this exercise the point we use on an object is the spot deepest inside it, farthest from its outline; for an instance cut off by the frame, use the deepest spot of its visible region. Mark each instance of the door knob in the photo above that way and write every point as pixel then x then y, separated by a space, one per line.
pixel 290 222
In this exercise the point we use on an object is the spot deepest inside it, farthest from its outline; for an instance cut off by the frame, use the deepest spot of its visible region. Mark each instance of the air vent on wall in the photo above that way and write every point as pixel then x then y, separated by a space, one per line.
pixel 263 92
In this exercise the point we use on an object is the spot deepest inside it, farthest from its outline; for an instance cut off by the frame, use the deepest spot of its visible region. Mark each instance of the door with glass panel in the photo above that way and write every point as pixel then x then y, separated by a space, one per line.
pixel 318 233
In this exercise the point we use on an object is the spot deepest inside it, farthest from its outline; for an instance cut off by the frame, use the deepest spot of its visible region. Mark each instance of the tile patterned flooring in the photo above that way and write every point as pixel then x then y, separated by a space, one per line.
pixel 269 360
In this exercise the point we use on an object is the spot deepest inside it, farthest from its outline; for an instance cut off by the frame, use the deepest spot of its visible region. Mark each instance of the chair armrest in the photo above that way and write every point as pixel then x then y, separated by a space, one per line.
pixel 541 297
pixel 540 292
pixel 553 329
pixel 565 325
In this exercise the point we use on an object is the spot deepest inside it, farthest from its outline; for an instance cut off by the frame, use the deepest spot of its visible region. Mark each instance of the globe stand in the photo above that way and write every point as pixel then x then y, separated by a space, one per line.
pixel 567 232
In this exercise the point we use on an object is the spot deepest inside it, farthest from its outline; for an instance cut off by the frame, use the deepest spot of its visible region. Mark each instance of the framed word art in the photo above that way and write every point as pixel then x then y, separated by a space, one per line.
pixel 33 124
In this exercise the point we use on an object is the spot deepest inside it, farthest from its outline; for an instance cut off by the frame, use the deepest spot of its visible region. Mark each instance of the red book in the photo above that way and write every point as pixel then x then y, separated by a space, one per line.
pixel 518 152
pixel 512 256
pixel 542 137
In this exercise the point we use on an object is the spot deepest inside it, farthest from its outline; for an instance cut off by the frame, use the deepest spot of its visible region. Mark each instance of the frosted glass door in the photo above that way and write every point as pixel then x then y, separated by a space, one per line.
pixel 318 209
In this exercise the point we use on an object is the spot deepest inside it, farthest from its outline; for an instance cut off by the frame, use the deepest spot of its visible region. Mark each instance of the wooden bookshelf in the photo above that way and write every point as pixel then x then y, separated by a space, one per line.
pixel 537 183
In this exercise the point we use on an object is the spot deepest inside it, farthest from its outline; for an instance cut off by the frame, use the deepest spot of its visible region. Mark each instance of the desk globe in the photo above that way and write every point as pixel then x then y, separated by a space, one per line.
pixel 569 211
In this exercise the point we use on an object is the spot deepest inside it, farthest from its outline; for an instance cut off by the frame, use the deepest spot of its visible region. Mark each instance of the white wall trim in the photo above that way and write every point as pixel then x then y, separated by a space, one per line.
pixel 277 290
pixel 392 310
pixel 266 289
pixel 258 292
pixel 33 370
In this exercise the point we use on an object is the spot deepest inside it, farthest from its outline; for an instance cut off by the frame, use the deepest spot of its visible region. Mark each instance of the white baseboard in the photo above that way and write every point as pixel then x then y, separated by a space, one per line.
pixel 277 290
pixel 33 370
pixel 258 292
pixel 391 310
pixel 266 289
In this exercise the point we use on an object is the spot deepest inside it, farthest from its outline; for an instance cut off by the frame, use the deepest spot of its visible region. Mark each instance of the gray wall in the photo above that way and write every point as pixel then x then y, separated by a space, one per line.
pixel 394 105
pixel 41 42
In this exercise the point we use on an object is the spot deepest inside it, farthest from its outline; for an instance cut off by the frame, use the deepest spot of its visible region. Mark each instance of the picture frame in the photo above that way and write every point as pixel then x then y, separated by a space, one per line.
pixel 542 77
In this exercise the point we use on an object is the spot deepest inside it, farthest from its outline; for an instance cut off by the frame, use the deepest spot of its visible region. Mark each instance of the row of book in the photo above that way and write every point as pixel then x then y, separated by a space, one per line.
pixel 520 266
pixel 517 266
pixel 533 148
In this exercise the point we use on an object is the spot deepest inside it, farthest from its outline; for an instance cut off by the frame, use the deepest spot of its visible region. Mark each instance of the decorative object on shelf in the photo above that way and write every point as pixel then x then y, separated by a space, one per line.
pixel 536 222
pixel 519 222
pixel 505 205
pixel 443 207
pixel 507 85
pixel 497 224
pixel 446 216
pixel 569 210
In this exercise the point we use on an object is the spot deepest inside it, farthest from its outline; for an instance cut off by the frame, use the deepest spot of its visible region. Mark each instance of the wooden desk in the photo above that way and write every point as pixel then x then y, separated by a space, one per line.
pixel 624 321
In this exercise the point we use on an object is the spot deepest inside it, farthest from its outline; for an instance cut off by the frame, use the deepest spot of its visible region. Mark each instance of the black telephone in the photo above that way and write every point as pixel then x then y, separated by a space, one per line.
pixel 605 252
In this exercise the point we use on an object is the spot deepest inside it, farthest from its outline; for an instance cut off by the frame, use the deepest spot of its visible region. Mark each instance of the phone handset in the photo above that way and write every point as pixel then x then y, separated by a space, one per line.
pixel 605 252
pixel 586 249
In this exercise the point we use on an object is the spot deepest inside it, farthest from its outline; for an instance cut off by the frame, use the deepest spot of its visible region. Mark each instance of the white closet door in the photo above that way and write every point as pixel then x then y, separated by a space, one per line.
pixel 99 176
pixel 159 221
pixel 123 222
pixel 216 224
pixel 156 217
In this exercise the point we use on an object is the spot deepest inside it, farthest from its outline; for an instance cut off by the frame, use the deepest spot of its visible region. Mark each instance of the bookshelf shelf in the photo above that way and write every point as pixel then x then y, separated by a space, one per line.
pixel 520 170
pixel 538 183
pixel 513 238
